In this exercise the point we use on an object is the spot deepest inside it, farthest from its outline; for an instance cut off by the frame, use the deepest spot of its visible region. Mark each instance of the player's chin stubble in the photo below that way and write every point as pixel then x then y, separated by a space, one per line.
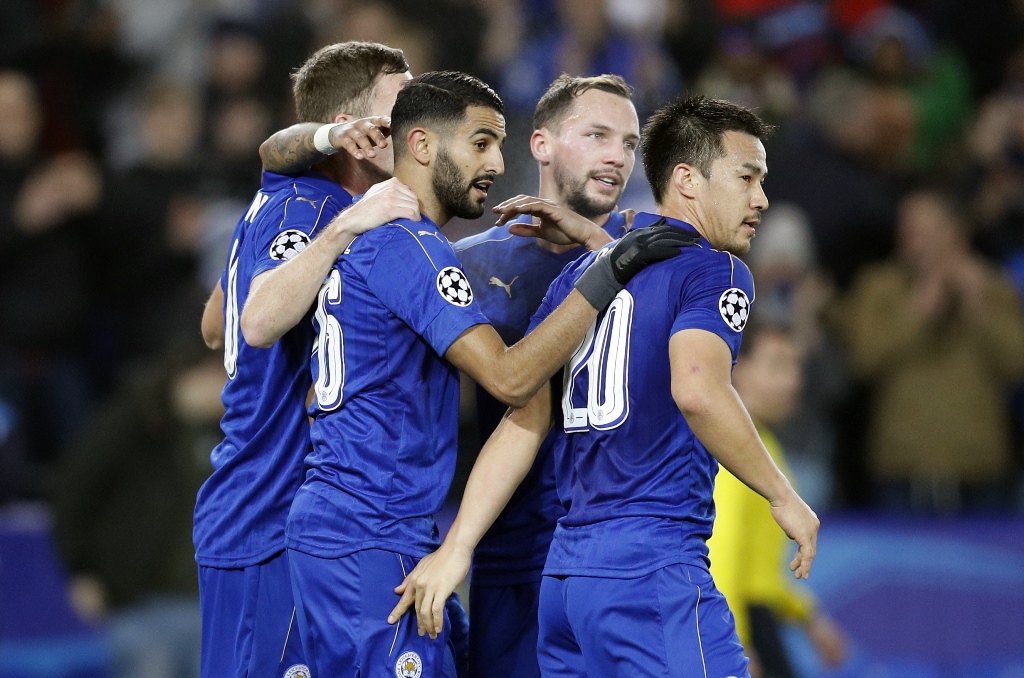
pixel 452 189
pixel 574 192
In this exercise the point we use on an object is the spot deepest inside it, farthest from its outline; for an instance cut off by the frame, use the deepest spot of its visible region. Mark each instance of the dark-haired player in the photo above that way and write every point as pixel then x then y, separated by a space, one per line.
pixel 584 140
pixel 396 320
pixel 244 580
pixel 648 412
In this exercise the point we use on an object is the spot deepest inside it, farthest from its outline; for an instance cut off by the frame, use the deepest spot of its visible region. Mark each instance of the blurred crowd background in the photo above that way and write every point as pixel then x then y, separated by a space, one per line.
pixel 893 248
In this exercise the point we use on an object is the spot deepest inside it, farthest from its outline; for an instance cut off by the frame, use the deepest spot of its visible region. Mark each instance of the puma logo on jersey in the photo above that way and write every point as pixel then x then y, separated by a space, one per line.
pixel 430 233
pixel 310 201
pixel 507 287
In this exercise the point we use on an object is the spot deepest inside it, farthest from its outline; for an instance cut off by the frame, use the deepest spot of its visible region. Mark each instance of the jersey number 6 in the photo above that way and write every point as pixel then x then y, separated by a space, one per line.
pixel 329 349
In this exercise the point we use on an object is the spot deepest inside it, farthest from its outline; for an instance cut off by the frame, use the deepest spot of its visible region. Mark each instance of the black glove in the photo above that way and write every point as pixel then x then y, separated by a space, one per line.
pixel 617 265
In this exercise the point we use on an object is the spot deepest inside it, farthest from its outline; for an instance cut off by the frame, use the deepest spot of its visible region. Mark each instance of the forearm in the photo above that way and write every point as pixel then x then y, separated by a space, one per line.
pixel 279 299
pixel 722 425
pixel 514 374
pixel 503 462
pixel 291 150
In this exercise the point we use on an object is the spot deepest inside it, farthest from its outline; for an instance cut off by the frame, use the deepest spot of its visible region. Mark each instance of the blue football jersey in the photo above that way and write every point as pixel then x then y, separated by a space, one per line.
pixel 637 480
pixel 511 275
pixel 387 402
pixel 241 509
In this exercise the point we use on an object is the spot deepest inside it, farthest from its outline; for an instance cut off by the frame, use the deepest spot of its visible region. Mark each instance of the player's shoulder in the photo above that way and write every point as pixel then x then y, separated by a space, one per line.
pixel 310 191
pixel 414 240
pixel 486 241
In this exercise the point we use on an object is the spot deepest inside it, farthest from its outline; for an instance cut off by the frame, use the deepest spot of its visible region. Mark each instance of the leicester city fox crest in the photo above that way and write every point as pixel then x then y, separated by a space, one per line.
pixel 409 665
pixel 297 671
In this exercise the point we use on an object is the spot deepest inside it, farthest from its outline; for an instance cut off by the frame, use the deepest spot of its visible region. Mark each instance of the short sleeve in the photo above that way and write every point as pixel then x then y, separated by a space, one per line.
pixel 419 279
pixel 288 227
pixel 717 297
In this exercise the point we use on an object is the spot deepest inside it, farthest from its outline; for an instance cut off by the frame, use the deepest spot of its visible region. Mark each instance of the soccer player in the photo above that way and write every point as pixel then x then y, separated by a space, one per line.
pixel 396 319
pixel 584 140
pixel 648 412
pixel 245 587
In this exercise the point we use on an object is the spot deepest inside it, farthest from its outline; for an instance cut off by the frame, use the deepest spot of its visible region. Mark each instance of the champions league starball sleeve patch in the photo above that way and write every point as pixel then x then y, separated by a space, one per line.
pixel 287 244
pixel 454 286
pixel 735 308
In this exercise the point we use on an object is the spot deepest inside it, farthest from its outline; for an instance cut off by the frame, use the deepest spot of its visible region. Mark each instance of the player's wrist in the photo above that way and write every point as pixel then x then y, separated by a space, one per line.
pixel 323 140
pixel 596 239
pixel 598 284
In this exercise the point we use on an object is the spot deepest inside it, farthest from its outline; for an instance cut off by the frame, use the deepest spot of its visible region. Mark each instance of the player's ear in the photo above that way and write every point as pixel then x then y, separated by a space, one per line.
pixel 421 145
pixel 540 146
pixel 685 179
pixel 343 117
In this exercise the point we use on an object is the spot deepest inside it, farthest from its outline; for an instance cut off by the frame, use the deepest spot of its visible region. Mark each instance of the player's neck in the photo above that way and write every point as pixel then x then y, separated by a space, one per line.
pixel 354 176
pixel 682 210
pixel 419 179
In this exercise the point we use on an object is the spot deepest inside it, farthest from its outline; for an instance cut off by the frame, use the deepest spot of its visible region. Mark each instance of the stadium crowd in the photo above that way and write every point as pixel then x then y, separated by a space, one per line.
pixel 893 249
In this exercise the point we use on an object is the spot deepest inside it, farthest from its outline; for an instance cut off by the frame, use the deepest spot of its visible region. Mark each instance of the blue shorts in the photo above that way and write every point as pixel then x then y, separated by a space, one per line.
pixel 343 606
pixel 672 622
pixel 249 625
pixel 504 630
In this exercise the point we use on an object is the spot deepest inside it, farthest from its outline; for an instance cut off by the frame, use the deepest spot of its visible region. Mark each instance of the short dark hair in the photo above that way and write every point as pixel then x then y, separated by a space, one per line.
pixel 439 97
pixel 558 99
pixel 689 130
pixel 340 78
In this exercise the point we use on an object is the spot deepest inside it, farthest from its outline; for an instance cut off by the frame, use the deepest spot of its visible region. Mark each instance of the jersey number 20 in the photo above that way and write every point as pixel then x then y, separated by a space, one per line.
pixel 596 384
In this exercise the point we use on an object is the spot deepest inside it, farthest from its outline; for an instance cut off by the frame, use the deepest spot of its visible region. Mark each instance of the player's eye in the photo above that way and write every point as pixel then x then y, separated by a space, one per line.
pixel 631 145
pixel 481 145
pixel 747 178
pixel 596 135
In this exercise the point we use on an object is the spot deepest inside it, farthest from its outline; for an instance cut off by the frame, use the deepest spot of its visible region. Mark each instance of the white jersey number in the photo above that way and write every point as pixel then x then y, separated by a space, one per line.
pixel 330 347
pixel 231 315
pixel 603 358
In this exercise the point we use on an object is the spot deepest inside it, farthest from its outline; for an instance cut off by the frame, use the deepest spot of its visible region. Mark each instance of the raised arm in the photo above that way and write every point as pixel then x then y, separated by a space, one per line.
pixel 503 462
pixel 294 149
pixel 513 374
pixel 279 299
pixel 212 325
pixel 702 388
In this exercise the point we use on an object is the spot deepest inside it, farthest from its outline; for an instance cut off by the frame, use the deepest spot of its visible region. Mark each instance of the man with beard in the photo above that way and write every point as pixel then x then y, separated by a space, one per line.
pixel 648 412
pixel 385 373
pixel 584 140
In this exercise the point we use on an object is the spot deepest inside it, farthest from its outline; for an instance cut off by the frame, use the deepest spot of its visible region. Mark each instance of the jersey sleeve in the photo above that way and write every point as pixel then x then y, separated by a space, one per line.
pixel 419 279
pixel 282 230
pixel 717 297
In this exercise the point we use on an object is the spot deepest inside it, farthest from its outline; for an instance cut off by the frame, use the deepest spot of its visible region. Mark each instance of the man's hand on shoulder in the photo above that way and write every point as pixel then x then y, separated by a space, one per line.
pixel 552 222
pixel 634 251
pixel 383 203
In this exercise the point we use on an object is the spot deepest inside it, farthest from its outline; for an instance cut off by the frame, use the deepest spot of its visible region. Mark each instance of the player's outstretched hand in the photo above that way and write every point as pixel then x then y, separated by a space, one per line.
pixel 552 222
pixel 362 137
pixel 617 265
pixel 428 587
pixel 800 524
pixel 383 203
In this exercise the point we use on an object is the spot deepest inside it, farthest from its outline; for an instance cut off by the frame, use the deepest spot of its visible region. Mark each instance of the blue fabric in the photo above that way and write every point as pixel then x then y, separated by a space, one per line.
pixel 384 439
pixel 249 628
pixel 671 622
pixel 343 605
pixel 504 630
pixel 241 509
pixel 637 481
pixel 515 547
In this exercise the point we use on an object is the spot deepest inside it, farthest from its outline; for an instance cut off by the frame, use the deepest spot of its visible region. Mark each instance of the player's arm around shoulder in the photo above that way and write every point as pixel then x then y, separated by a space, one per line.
pixel 701 366
pixel 503 462
pixel 280 297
